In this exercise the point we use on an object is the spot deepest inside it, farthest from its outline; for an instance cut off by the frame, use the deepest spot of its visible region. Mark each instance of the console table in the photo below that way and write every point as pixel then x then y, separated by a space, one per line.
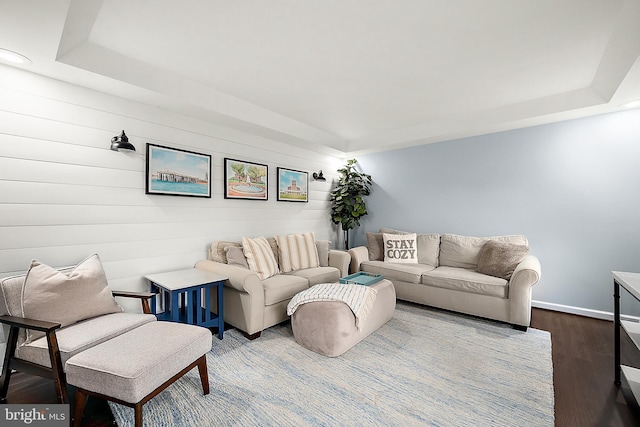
pixel 182 294
pixel 630 282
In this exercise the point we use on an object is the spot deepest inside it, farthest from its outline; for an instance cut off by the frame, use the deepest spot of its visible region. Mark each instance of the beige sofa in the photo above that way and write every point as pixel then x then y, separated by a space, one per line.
pixel 252 304
pixel 448 275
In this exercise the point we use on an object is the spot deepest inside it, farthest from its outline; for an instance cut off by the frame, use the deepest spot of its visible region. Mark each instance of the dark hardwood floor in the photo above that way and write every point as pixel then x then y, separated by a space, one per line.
pixel 582 351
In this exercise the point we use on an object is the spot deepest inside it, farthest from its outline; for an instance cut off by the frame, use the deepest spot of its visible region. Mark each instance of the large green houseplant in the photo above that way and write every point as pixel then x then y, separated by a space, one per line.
pixel 347 204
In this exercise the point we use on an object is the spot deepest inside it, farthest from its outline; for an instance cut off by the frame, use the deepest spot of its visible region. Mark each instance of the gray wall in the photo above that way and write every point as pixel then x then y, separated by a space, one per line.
pixel 573 188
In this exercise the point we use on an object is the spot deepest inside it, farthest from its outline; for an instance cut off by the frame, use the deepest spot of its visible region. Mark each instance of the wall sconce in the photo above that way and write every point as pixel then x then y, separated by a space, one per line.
pixel 121 143
pixel 318 176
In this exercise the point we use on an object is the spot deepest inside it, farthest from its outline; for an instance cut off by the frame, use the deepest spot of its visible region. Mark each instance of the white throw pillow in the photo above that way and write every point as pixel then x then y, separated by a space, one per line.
pixel 400 248
pixel 260 257
pixel 297 251
pixel 53 296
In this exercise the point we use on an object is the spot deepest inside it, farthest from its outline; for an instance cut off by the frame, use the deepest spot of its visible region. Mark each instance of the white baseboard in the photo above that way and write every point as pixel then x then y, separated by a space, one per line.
pixel 604 315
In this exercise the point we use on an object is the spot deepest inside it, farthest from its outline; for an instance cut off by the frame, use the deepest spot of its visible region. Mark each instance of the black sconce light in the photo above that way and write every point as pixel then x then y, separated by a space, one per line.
pixel 121 143
pixel 318 176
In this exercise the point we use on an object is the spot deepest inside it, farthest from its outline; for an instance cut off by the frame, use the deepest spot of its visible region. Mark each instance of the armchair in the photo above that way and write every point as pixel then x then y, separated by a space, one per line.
pixel 42 347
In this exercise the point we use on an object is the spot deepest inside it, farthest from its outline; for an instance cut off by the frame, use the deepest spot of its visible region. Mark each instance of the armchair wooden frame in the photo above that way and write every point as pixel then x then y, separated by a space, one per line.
pixel 56 371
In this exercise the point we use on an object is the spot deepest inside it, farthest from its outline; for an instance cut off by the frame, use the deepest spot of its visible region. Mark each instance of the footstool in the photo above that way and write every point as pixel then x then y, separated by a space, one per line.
pixel 137 365
pixel 329 327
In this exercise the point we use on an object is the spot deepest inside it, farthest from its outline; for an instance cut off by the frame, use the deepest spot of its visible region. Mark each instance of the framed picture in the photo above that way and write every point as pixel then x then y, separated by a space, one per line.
pixel 293 186
pixel 245 180
pixel 175 172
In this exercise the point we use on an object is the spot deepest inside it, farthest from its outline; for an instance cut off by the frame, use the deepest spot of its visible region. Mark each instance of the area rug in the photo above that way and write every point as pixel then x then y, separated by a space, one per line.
pixel 424 367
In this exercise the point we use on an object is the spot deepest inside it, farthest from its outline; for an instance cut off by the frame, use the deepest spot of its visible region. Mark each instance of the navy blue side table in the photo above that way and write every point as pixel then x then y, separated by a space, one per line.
pixel 182 294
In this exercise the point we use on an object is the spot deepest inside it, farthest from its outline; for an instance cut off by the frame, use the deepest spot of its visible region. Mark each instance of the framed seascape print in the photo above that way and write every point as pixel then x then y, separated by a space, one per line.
pixel 245 180
pixel 293 185
pixel 175 172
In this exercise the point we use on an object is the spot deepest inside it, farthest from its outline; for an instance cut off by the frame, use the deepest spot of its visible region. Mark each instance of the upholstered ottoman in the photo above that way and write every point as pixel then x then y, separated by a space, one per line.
pixel 137 365
pixel 329 327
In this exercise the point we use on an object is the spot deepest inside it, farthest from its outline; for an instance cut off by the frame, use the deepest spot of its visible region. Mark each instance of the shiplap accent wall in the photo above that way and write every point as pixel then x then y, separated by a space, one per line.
pixel 65 195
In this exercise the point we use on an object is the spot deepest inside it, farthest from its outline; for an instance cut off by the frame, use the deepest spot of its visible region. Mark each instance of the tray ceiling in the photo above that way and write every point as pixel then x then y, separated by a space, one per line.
pixel 345 76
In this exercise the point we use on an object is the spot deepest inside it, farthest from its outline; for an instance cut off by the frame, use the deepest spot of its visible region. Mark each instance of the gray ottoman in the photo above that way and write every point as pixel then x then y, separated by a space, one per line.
pixel 329 327
pixel 137 365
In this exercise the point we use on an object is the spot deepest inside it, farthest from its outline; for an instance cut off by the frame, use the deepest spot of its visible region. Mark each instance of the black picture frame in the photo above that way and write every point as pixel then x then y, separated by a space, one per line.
pixel 176 172
pixel 245 180
pixel 293 185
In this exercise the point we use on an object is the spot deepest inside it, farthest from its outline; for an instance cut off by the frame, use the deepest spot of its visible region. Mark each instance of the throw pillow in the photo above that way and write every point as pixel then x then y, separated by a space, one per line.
pixel 82 293
pixel 235 256
pixel 500 259
pixel 217 251
pixel 375 245
pixel 323 252
pixel 400 248
pixel 297 251
pixel 259 257
pixel 393 231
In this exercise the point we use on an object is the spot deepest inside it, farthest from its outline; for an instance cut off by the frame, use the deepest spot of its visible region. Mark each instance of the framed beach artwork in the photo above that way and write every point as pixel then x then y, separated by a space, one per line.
pixel 293 185
pixel 245 180
pixel 175 172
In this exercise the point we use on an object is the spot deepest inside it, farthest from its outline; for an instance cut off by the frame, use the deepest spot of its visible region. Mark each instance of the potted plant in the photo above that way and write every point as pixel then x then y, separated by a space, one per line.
pixel 347 204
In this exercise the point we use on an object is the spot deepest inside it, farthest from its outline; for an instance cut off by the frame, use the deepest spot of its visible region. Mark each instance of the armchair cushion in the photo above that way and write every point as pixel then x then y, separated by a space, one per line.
pixel 83 293
pixel 82 335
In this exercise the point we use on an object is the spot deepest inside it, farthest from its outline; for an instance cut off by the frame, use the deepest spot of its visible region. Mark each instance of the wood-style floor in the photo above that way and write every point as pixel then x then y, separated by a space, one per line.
pixel 582 351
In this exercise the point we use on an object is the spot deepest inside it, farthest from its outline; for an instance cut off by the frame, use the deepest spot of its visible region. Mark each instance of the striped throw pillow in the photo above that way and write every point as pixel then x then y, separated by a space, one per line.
pixel 297 251
pixel 259 257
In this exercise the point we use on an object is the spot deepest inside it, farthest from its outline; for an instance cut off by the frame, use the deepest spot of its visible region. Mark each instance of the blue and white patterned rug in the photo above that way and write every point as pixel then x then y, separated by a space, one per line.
pixel 424 367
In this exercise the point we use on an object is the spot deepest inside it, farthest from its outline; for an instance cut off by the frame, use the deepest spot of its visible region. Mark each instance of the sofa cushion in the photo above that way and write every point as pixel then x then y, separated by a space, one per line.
pixel 400 248
pixel 282 287
pixel 375 246
pixel 260 257
pixel 428 248
pixel 82 293
pixel 393 231
pixel 500 259
pixel 318 275
pixel 83 335
pixel 235 256
pixel 410 273
pixel 465 280
pixel 297 251
pixel 463 251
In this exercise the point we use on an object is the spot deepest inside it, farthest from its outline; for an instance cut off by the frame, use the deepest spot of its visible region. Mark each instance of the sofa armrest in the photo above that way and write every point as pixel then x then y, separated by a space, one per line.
pixel 242 279
pixel 358 255
pixel 526 274
pixel 340 260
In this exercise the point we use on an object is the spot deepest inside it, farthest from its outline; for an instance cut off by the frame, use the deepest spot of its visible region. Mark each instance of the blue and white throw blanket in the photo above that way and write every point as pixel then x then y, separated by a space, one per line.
pixel 359 298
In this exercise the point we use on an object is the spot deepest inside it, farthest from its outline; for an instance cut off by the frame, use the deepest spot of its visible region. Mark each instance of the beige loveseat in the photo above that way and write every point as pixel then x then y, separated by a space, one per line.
pixel 252 304
pixel 454 272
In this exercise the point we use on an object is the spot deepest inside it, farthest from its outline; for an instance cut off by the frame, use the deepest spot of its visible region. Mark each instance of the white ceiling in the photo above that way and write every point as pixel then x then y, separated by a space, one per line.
pixel 346 76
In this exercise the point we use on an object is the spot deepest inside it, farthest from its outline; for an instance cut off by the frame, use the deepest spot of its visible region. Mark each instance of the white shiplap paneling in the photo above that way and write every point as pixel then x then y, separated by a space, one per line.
pixel 64 195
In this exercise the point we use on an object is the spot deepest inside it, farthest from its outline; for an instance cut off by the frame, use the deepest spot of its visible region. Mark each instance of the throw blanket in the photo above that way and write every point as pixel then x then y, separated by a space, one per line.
pixel 359 298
